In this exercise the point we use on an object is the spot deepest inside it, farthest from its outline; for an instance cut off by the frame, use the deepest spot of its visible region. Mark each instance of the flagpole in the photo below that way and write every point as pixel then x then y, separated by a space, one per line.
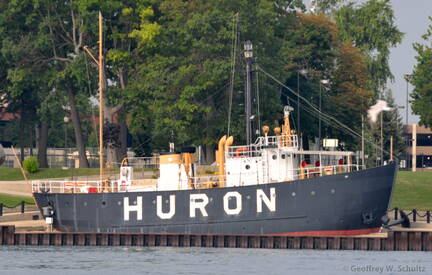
pixel 101 100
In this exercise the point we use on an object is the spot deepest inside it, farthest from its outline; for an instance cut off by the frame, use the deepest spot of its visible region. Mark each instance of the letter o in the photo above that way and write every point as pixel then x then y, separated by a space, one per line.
pixel 238 197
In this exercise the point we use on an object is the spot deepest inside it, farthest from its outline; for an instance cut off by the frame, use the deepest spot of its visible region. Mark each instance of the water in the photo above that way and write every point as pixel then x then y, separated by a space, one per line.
pixel 169 260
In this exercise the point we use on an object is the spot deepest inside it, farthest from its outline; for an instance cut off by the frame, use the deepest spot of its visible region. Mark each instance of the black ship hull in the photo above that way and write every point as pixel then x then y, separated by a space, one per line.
pixel 343 204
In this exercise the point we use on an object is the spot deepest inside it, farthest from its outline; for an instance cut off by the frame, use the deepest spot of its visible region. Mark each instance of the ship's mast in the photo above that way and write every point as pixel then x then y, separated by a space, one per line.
pixel 101 100
pixel 248 102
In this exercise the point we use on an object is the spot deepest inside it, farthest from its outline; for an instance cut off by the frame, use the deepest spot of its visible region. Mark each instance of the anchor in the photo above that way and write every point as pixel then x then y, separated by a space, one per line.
pixel 404 221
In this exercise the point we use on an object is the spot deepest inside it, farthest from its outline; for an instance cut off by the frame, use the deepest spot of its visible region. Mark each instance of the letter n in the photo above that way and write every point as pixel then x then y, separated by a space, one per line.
pixel 159 211
pixel 269 202
pixel 130 208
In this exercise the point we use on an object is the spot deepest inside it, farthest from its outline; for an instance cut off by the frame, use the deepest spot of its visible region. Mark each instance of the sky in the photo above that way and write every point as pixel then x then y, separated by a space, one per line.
pixel 411 17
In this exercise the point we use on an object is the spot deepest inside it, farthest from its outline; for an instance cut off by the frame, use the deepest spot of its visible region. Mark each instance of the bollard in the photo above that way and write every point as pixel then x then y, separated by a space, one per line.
pixel 22 207
pixel 414 211
pixel 1 209
pixel 396 210
pixel 428 216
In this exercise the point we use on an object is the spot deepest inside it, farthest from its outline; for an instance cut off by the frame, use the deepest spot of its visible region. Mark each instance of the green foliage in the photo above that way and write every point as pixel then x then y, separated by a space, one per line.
pixel 392 127
pixel 422 80
pixel 314 44
pixel 31 165
pixel 371 27
pixel 169 63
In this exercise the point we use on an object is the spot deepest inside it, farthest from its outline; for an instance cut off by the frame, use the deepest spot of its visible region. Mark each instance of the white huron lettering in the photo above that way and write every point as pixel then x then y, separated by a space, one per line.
pixel 130 208
pixel 198 201
pixel 159 211
pixel 262 197
pixel 226 199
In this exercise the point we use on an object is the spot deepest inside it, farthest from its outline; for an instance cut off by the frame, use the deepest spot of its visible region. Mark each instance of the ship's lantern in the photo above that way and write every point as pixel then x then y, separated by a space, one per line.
pixel 303 163
pixel 248 49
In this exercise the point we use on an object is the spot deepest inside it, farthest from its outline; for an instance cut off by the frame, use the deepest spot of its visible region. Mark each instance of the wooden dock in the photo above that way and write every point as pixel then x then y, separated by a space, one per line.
pixel 399 240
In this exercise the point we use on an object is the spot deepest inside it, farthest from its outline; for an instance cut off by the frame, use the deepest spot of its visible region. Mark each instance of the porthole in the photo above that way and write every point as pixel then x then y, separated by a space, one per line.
pixel 283 156
pixel 247 166
pixel 103 202
pixel 332 191
pixel 274 157
pixel 293 194
pixel 312 193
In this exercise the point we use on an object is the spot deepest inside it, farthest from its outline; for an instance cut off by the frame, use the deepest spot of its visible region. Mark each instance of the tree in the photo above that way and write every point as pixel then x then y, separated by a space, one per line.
pixel 131 32
pixel 370 26
pixel 70 26
pixel 314 44
pixel 422 81
pixel 25 71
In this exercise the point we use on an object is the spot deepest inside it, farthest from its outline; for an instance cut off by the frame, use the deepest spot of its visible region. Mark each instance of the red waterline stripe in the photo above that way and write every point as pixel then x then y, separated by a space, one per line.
pixel 331 232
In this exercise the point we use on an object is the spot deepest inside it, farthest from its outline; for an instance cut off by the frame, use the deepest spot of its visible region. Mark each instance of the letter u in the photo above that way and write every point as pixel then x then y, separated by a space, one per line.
pixel 159 211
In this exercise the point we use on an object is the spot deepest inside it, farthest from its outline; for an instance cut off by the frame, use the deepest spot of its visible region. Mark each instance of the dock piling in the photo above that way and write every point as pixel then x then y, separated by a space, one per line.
pixel 394 241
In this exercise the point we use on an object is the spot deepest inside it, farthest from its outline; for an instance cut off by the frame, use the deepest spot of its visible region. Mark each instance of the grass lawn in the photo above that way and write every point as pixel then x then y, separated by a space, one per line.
pixel 413 190
pixel 12 201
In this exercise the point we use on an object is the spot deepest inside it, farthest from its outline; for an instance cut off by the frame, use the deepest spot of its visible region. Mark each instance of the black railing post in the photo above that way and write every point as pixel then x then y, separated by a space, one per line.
pixel 1 209
pixel 22 207
pixel 428 216
pixel 414 215
pixel 396 210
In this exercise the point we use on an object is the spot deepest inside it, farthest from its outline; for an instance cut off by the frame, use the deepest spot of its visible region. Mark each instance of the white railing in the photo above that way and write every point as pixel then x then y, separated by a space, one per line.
pixel 326 170
pixel 254 150
pixel 243 151
pixel 280 141
pixel 68 186
pixel 199 182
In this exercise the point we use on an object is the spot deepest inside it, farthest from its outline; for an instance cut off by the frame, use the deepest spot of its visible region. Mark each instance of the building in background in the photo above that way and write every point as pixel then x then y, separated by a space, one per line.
pixel 419 149
pixel 5 122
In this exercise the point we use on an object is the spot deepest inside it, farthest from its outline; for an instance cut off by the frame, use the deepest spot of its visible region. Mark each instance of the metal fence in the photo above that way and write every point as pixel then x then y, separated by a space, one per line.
pixel 414 216
pixel 68 158
pixel 17 208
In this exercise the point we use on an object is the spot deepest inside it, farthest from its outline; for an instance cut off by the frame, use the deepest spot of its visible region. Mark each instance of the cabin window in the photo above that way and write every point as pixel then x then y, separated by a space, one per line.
pixel 274 157
pixel 283 156
pixel 247 166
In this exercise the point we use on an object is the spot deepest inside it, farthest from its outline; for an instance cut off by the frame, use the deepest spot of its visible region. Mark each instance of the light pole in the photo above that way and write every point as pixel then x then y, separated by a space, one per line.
pixel 304 73
pixel 407 79
pixel 381 136
pixel 382 153
pixel 66 121
pixel 248 108
pixel 325 82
